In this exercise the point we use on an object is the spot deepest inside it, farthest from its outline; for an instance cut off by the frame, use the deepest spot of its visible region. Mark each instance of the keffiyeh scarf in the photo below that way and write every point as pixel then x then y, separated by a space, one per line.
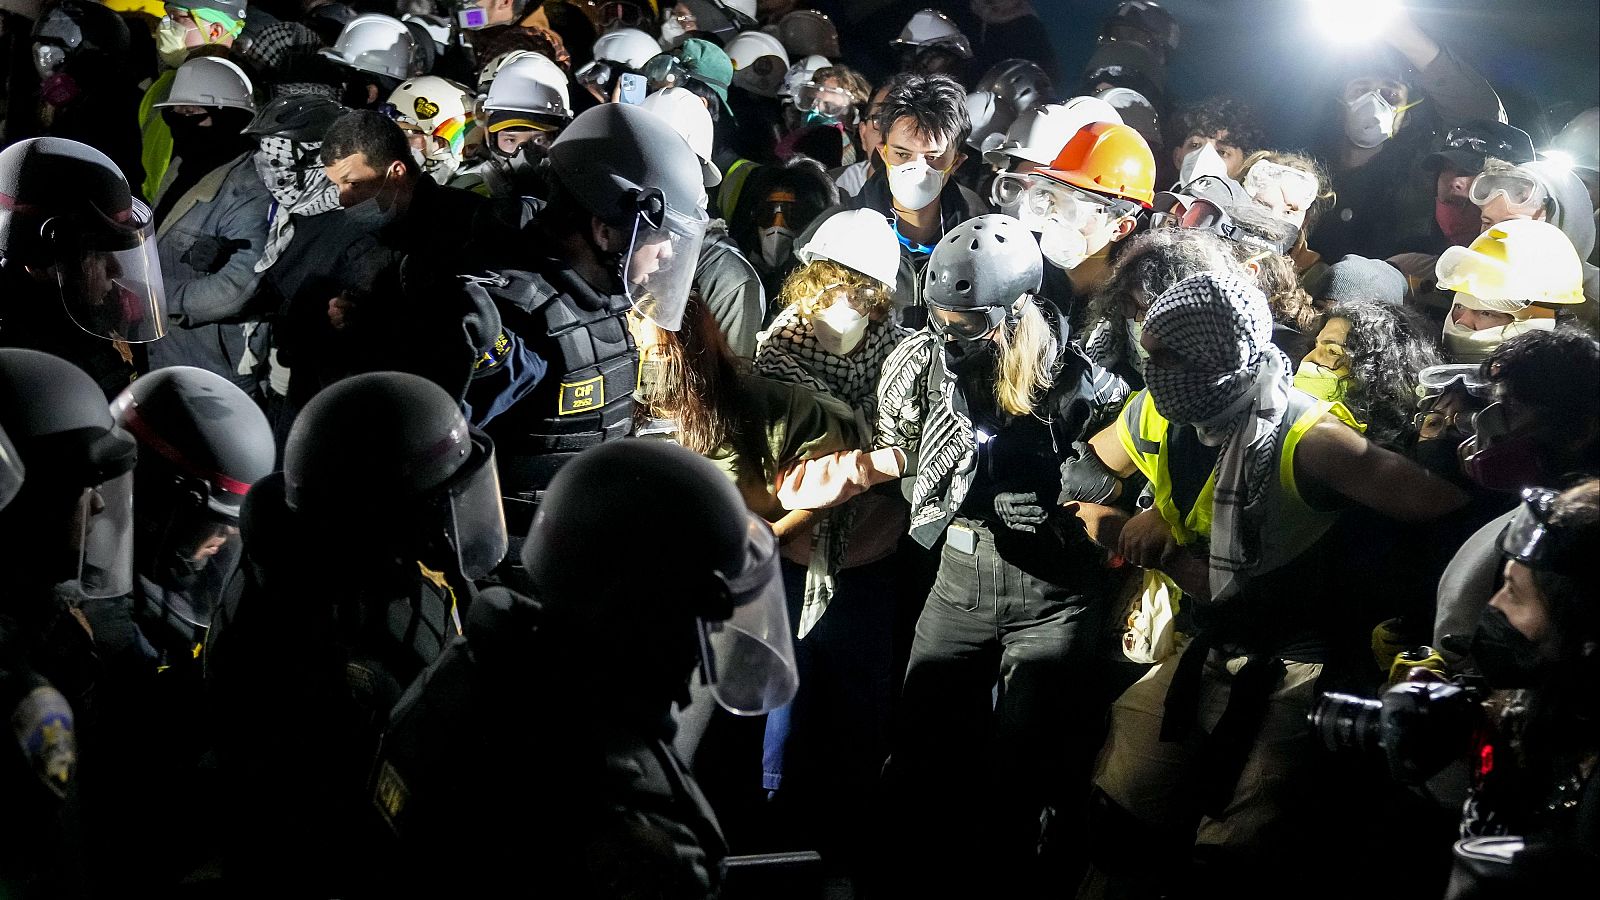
pixel 1234 388
pixel 297 193
pixel 788 351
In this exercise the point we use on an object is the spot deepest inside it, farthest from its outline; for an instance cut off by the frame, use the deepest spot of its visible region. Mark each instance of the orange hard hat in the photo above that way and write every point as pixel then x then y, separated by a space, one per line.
pixel 1107 158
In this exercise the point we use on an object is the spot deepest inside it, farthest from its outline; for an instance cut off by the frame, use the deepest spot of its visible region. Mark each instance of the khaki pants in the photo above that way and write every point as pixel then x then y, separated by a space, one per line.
pixel 1149 778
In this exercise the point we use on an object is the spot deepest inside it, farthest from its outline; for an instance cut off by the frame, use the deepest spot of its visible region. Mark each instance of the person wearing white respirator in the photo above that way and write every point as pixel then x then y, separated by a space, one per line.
pixel 1088 199
pixel 1385 117
pixel 833 335
pixel 924 123
pixel 1507 284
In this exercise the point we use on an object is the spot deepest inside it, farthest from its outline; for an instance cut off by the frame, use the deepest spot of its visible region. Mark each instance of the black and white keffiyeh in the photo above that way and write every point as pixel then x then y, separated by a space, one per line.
pixel 1234 388
pixel 298 192
pixel 788 350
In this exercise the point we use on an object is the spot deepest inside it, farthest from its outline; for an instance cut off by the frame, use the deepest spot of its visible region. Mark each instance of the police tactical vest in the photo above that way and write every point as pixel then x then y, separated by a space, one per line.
pixel 586 397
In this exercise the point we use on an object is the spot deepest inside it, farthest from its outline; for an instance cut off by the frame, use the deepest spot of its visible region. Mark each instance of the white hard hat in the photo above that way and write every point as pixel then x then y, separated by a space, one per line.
pixel 1039 134
pixel 687 114
pixel 430 104
pixel 859 239
pixel 746 7
pixel 1578 144
pixel 750 46
pixel 801 72
pixel 931 28
pixel 629 46
pixel 806 31
pixel 437 27
pixel 210 81
pixel 532 84
pixel 374 43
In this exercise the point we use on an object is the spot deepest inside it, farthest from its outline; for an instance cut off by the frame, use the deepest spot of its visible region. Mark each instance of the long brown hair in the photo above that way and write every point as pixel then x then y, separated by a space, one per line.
pixel 698 385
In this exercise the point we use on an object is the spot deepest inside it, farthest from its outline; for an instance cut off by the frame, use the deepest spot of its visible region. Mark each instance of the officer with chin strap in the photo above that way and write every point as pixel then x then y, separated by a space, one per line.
pixel 621 230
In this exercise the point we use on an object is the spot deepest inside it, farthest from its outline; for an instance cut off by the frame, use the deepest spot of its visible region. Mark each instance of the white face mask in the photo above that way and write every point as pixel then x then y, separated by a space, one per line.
pixel 1204 161
pixel 672 33
pixel 776 244
pixel 1369 120
pixel 840 329
pixel 915 184
pixel 170 43
pixel 1064 247
pixel 1463 345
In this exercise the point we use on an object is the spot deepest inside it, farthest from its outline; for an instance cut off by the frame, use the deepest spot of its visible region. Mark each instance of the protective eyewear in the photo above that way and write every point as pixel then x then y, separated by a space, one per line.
pixel 1435 380
pixel 611 16
pixel 1272 235
pixel 108 272
pixel 1522 191
pixel 600 73
pixel 965 324
pixel 1432 424
pixel 1296 186
pixel 1392 94
pixel 1048 201
pixel 1469 138
pixel 1007 189
pixel 1182 211
pixel 862 297
pixel 666 71
pixel 828 101
pixel 1529 538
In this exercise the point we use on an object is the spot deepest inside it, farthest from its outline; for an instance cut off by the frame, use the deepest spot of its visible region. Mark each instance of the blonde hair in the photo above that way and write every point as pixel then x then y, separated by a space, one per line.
pixel 1028 351
pixel 806 285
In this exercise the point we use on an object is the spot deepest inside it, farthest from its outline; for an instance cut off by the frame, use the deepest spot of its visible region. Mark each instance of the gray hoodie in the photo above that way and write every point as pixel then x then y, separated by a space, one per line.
pixel 1570 210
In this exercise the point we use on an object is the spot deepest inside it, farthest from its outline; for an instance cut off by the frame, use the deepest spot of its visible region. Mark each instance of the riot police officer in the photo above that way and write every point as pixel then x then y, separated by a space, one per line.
pixel 358 560
pixel 622 229
pixel 77 259
pixel 561 706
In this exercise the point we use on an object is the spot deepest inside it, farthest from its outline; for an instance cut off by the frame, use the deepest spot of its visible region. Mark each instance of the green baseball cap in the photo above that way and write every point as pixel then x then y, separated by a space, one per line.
pixel 708 65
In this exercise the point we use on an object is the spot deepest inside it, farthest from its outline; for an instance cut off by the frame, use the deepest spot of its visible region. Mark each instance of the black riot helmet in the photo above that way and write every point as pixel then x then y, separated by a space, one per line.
pixel 303 118
pixel 67 213
pixel 699 572
pixel 202 443
pixel 78 31
pixel 386 458
pixel 57 419
pixel 635 172
pixel 1021 83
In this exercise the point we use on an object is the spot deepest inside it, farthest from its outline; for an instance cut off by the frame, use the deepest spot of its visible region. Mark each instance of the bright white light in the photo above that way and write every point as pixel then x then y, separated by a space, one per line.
pixel 1560 157
pixel 1352 21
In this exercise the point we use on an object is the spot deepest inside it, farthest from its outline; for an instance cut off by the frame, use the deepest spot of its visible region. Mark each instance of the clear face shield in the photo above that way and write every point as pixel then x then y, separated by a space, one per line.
pixel 748 660
pixel 475 518
pixel 105 561
pixel 659 268
pixel 11 471
pixel 1287 192
pixel 108 273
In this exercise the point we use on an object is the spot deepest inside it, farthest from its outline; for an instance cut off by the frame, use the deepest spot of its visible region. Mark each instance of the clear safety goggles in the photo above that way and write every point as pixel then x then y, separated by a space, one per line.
pixel 1172 210
pixel 1435 380
pixel 1529 538
pixel 747 660
pixel 1467 137
pixel 108 272
pixel 600 74
pixel 1047 201
pixel 827 101
pixel 666 71
pixel 1267 179
pixel 862 298
pixel 1007 189
pixel 612 16
pixel 1522 191
pixel 661 261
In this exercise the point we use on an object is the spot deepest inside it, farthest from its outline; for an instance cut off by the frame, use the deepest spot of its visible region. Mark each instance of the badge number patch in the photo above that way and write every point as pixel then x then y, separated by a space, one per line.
pixel 581 396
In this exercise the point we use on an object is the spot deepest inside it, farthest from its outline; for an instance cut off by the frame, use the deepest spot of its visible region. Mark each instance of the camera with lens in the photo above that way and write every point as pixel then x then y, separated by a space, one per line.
pixel 1413 730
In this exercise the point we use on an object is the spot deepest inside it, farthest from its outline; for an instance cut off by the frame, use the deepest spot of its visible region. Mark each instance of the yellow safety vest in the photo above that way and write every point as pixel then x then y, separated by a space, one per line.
pixel 1291 525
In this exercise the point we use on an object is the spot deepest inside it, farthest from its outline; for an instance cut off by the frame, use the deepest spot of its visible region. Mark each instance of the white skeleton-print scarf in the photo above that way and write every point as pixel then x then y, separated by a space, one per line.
pixel 306 192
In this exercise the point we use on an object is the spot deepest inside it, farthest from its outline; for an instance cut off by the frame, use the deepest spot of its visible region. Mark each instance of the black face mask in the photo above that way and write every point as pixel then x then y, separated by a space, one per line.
pixel 1504 655
pixel 1439 456
pixel 970 357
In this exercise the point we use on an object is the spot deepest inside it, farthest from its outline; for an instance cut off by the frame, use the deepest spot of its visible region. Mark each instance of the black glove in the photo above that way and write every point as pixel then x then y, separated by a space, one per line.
pixel 209 254
pixel 1086 478
pixel 1020 512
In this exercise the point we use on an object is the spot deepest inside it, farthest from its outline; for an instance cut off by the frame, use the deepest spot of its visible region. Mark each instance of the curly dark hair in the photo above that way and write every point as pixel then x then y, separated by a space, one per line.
pixel 1215 115
pixel 1387 347
pixel 1151 262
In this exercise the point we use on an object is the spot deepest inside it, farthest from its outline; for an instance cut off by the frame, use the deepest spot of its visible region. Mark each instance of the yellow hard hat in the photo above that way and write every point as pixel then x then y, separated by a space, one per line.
pixel 1514 264
pixel 154 8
